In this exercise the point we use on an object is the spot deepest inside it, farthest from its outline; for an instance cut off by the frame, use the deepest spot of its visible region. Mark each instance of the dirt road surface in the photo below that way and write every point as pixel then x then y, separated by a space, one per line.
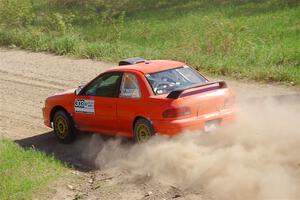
pixel 27 78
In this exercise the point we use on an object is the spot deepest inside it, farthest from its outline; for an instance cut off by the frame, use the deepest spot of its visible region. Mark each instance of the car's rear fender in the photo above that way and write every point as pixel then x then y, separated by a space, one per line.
pixel 207 102
pixel 141 117
pixel 198 103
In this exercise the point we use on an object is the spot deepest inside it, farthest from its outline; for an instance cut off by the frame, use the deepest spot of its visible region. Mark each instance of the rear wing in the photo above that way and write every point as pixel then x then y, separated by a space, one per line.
pixel 177 93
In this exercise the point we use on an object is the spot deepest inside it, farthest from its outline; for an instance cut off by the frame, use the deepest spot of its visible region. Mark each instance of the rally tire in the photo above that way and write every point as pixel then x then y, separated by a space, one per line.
pixel 143 130
pixel 64 128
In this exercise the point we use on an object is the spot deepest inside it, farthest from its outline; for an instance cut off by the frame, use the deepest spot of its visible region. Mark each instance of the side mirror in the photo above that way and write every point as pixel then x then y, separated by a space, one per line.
pixel 77 90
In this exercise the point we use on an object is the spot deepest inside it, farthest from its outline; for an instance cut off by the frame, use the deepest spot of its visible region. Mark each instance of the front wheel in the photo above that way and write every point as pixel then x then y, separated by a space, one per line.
pixel 143 130
pixel 64 128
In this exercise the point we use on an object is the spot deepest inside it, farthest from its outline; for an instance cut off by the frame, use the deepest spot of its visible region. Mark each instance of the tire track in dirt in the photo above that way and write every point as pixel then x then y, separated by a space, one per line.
pixel 16 77
pixel 27 78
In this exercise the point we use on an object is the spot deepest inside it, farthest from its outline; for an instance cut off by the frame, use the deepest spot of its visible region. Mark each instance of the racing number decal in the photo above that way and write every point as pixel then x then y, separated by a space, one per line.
pixel 84 106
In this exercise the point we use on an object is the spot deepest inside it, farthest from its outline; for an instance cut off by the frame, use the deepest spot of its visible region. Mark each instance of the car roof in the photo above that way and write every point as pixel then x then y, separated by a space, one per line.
pixel 149 66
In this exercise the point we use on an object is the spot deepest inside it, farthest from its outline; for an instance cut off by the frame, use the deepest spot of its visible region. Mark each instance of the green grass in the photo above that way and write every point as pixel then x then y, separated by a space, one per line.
pixel 258 40
pixel 25 172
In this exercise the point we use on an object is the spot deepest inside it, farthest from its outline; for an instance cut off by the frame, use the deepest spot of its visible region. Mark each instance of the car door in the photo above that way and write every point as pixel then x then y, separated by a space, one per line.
pixel 128 103
pixel 95 106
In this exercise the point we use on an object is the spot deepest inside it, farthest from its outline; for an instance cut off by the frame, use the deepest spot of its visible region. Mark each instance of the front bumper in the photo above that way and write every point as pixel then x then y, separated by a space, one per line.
pixel 174 127
pixel 46 117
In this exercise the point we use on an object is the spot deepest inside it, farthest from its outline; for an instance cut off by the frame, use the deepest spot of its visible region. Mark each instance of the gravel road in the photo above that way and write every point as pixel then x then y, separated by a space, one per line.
pixel 27 78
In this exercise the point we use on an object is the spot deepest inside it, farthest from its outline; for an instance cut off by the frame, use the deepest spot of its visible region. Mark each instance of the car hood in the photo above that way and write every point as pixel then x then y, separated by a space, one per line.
pixel 70 91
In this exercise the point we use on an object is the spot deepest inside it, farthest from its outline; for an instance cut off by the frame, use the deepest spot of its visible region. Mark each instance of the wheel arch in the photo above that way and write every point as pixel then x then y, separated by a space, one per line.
pixel 55 109
pixel 141 117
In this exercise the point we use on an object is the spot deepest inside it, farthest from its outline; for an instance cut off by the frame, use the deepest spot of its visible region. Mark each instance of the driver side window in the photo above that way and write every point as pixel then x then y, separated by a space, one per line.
pixel 130 86
pixel 107 85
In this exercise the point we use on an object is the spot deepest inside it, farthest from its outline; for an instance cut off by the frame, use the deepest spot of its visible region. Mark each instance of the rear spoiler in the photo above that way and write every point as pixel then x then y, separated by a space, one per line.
pixel 177 93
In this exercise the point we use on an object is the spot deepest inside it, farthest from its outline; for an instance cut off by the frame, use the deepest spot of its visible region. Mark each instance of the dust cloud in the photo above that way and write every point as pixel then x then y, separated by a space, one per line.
pixel 257 157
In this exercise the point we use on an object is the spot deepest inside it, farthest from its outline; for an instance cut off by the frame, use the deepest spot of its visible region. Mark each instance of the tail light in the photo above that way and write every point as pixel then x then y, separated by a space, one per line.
pixel 176 112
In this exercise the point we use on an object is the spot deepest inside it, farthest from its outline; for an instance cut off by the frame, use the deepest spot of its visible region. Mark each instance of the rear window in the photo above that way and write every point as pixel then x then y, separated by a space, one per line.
pixel 166 81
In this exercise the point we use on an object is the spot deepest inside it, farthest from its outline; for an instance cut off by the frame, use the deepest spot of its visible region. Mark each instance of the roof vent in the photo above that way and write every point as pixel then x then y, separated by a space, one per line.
pixel 131 61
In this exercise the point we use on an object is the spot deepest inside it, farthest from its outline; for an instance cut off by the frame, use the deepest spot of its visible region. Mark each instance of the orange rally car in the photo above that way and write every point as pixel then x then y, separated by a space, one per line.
pixel 140 98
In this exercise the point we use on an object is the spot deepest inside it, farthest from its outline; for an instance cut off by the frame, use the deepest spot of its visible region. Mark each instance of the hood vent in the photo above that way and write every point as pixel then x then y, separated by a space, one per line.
pixel 131 61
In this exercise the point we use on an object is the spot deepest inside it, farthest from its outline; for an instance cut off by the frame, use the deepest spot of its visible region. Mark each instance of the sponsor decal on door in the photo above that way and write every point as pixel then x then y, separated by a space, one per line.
pixel 84 106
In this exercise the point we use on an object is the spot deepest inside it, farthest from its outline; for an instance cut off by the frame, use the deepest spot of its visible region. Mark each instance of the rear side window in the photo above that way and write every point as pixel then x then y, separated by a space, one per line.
pixel 130 86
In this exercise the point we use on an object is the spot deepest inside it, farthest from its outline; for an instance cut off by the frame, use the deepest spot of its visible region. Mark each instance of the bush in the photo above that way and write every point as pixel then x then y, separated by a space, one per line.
pixel 64 45
pixel 59 22
pixel 16 13
pixel 255 39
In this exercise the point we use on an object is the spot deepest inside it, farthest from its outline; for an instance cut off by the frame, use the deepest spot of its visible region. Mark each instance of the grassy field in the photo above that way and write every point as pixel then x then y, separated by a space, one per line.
pixel 251 39
pixel 25 172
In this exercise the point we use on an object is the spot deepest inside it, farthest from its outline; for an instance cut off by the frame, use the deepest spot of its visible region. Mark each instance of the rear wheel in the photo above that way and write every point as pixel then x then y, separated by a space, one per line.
pixel 143 130
pixel 64 128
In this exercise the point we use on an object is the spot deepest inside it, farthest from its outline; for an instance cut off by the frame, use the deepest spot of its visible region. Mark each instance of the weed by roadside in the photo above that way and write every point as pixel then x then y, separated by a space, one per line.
pixel 24 172
pixel 256 40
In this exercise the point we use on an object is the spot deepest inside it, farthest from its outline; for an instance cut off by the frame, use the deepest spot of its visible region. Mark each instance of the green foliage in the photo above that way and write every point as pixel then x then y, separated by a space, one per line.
pixel 64 45
pixel 16 12
pixel 59 22
pixel 255 39
pixel 24 172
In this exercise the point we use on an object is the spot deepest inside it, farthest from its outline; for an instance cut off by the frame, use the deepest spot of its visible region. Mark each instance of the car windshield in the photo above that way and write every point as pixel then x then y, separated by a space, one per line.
pixel 166 81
